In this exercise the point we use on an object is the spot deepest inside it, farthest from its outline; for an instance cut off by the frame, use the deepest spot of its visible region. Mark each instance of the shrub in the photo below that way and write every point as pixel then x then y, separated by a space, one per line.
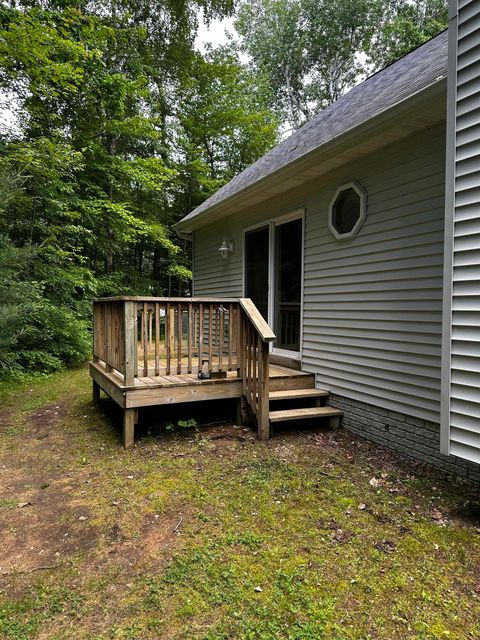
pixel 36 335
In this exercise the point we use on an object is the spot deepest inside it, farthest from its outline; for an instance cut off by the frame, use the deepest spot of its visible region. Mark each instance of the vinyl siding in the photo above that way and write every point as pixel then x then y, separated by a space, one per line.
pixel 213 275
pixel 461 419
pixel 372 305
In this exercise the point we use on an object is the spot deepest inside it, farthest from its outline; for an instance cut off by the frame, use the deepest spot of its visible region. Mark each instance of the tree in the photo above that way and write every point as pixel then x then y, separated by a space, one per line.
pixel 123 128
pixel 306 48
pixel 404 26
pixel 312 51
pixel 224 124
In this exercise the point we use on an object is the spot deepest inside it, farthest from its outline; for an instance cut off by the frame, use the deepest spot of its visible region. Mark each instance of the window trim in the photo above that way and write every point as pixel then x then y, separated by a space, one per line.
pixel 360 191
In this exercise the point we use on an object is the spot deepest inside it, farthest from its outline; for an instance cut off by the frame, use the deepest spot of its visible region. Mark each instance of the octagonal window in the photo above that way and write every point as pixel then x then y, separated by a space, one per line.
pixel 347 211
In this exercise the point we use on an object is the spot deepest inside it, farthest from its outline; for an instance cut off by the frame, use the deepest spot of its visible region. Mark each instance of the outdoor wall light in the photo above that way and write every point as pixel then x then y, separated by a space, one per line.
pixel 226 248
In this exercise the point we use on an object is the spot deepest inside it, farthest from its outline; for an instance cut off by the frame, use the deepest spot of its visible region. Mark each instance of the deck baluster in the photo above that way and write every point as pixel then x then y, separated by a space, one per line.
pixel 157 339
pixel 200 336
pixel 210 337
pixel 237 336
pixel 179 339
pixel 189 337
pixel 145 338
pixel 221 336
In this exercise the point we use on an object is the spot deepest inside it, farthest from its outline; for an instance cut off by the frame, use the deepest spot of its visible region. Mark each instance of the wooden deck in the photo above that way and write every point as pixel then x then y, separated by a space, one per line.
pixel 154 390
pixel 149 351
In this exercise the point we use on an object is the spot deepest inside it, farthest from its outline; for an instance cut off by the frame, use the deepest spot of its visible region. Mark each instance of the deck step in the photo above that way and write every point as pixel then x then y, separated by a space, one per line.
pixel 298 380
pixel 293 394
pixel 302 414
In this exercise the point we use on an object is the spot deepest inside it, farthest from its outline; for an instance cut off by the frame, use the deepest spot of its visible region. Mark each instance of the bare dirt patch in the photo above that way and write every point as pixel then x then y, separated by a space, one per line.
pixel 44 529
pixel 151 546
pixel 42 520
pixel 45 420
pixel 5 419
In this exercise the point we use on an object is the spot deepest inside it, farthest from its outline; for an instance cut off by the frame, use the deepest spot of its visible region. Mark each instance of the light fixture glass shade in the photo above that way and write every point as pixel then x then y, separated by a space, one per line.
pixel 226 248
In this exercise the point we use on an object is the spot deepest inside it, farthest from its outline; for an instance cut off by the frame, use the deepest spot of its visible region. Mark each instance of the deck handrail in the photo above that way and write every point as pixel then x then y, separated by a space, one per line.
pixel 255 336
pixel 144 336
pixel 162 299
pixel 262 328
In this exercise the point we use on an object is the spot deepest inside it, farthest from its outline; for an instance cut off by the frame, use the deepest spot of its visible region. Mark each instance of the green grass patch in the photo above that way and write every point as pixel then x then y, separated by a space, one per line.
pixel 205 539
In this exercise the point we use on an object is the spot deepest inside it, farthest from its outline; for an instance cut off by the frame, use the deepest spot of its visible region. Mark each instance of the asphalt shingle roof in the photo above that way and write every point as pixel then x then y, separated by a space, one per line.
pixel 397 82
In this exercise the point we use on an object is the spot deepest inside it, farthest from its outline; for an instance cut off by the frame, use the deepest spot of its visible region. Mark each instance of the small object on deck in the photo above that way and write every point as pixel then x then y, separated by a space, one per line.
pixel 205 373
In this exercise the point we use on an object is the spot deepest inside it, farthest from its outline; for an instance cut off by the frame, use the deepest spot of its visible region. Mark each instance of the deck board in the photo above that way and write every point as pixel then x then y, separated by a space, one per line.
pixel 154 390
pixel 181 379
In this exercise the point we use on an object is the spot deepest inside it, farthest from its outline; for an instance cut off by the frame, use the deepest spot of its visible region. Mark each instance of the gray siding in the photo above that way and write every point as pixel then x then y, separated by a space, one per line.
pixel 461 416
pixel 372 305
pixel 214 276
pixel 372 308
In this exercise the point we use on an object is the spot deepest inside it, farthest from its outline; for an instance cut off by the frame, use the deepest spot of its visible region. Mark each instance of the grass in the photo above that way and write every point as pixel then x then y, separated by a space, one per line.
pixel 216 536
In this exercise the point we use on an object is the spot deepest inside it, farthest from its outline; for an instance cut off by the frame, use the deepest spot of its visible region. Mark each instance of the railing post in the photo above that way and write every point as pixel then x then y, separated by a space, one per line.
pixel 130 338
pixel 97 331
pixel 263 418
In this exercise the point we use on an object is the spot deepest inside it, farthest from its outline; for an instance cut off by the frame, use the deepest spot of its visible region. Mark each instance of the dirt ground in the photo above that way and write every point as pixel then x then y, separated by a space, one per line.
pixel 207 533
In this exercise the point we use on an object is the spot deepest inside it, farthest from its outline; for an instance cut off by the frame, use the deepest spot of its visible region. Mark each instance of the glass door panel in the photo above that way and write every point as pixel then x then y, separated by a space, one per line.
pixel 257 267
pixel 288 285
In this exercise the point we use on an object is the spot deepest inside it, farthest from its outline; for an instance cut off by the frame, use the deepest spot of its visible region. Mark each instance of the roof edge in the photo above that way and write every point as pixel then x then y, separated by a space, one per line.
pixel 188 225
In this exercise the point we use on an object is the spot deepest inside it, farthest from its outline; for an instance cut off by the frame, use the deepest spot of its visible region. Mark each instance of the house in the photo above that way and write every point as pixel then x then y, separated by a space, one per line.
pixel 358 242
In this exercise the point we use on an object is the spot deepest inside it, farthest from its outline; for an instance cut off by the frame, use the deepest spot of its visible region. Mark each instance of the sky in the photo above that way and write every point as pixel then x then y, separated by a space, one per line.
pixel 214 34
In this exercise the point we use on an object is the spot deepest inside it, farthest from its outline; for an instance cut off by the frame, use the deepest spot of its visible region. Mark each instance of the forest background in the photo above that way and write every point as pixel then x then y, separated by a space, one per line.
pixel 115 125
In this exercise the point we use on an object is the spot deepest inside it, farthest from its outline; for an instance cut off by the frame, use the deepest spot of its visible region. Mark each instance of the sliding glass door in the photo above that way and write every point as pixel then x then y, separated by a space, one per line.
pixel 287 299
pixel 273 279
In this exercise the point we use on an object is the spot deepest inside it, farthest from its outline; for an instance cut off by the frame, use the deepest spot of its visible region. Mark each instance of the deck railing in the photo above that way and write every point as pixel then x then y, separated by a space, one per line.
pixel 254 350
pixel 144 337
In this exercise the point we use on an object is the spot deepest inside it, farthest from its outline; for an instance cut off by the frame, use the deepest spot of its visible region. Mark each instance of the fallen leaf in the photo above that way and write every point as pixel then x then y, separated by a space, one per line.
pixel 341 536
pixel 374 482
pixel 386 546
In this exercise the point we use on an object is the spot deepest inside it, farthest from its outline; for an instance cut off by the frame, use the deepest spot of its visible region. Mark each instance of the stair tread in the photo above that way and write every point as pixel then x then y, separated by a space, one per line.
pixel 289 394
pixel 307 412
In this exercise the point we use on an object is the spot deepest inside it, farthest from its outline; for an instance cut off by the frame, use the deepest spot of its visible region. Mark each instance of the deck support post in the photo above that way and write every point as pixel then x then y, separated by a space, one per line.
pixel 335 422
pixel 263 411
pixel 242 416
pixel 128 428
pixel 95 391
